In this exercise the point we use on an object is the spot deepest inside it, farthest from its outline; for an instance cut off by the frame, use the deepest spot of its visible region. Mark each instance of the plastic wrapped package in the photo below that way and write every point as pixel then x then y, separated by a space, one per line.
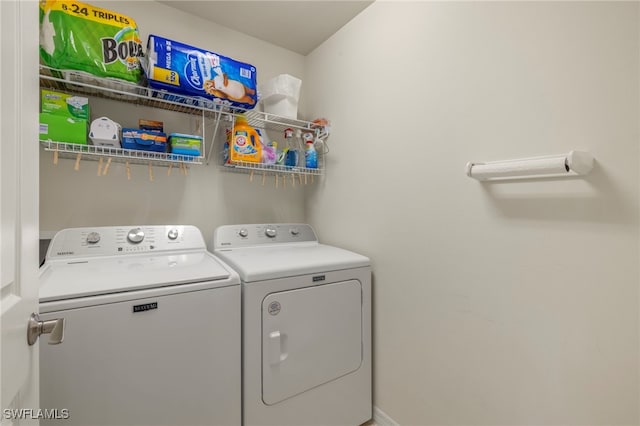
pixel 100 42
pixel 189 70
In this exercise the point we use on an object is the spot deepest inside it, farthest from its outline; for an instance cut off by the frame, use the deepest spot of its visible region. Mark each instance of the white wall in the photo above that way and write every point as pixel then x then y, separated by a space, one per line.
pixel 209 196
pixel 513 303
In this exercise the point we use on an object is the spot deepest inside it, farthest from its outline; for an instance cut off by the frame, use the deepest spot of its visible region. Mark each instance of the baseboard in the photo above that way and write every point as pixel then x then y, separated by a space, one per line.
pixel 382 419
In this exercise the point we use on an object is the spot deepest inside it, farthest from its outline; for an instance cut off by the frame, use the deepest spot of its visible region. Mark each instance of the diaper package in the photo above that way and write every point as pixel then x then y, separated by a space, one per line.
pixel 185 69
pixel 78 36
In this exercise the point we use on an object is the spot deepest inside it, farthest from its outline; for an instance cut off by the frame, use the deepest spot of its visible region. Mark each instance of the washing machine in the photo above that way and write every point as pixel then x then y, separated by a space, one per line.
pixel 151 329
pixel 306 328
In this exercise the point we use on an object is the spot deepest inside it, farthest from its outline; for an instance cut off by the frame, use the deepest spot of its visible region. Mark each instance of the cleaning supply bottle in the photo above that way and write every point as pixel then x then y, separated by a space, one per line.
pixel 280 153
pixel 269 155
pixel 310 154
pixel 245 142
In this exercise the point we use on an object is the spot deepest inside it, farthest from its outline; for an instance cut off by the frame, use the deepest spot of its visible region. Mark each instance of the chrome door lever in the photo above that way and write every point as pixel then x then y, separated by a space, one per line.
pixel 53 327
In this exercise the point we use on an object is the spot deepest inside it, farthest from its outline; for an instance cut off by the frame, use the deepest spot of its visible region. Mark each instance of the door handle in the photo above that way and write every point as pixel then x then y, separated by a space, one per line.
pixel 53 327
pixel 277 347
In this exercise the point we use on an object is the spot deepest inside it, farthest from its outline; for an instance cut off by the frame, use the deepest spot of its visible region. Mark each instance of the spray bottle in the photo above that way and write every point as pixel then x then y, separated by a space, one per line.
pixel 310 153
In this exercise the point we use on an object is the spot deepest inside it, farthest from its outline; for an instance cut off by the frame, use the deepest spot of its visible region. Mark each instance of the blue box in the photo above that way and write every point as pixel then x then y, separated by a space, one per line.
pixel 192 71
pixel 144 140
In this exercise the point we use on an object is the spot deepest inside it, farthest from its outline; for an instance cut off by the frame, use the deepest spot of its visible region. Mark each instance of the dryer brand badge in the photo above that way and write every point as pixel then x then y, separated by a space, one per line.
pixel 145 307
pixel 274 308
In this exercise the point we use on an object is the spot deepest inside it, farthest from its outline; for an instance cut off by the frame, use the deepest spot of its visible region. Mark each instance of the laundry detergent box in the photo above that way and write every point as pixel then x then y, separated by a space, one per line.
pixel 144 140
pixel 58 128
pixel 101 42
pixel 64 104
pixel 189 70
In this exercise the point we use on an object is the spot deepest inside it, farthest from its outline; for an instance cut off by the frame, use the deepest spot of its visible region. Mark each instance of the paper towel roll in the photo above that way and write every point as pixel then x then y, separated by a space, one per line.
pixel 521 168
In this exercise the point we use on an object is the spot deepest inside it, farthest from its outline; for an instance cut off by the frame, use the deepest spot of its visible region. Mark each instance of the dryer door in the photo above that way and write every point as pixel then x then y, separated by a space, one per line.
pixel 310 336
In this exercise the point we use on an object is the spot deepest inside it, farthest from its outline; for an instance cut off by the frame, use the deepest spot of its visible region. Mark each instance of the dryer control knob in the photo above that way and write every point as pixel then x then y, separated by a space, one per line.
pixel 173 234
pixel 294 231
pixel 93 238
pixel 270 231
pixel 243 232
pixel 135 235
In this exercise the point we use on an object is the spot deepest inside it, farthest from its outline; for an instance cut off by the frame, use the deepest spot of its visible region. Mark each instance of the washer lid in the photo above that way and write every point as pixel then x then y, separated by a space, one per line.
pixel 287 260
pixel 60 280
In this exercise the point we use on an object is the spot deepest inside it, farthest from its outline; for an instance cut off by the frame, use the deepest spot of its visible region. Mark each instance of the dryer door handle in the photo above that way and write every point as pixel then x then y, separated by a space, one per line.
pixel 277 347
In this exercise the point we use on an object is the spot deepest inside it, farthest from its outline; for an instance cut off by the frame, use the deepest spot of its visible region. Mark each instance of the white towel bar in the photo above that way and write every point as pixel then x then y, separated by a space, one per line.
pixel 572 164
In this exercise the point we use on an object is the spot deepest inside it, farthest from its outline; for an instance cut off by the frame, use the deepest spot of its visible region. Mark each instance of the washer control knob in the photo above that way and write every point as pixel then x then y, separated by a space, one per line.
pixel 294 231
pixel 270 231
pixel 243 232
pixel 93 238
pixel 173 234
pixel 135 235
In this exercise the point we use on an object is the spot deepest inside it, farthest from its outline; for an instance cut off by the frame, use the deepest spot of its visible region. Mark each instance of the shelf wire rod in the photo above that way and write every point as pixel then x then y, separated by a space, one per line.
pixel 213 136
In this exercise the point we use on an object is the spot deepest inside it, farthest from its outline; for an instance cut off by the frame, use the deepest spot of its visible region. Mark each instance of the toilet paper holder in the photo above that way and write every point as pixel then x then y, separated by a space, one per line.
pixel 574 163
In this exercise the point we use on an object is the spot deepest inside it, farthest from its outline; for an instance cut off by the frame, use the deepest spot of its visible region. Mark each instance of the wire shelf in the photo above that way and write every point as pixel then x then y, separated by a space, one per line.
pixel 79 82
pixel 120 90
pixel 273 168
pixel 121 155
pixel 274 122
pixel 109 88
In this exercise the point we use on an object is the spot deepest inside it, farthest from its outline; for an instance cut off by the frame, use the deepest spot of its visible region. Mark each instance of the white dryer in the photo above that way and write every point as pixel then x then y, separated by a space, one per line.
pixel 306 326
pixel 152 328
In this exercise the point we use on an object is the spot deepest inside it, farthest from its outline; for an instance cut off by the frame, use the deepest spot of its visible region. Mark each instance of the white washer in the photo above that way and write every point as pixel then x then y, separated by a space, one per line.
pixel 306 326
pixel 152 328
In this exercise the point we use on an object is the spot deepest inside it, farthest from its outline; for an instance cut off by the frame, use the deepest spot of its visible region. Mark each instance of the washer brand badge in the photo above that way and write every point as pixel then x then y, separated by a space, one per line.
pixel 145 307
pixel 274 308
pixel 64 253
pixel 318 278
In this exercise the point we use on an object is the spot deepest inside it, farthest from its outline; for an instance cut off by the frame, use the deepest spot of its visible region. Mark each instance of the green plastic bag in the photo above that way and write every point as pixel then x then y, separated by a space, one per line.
pixel 78 36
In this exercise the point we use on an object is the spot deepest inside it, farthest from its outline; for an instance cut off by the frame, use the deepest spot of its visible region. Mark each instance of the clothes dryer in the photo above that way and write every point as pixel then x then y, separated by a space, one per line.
pixel 306 326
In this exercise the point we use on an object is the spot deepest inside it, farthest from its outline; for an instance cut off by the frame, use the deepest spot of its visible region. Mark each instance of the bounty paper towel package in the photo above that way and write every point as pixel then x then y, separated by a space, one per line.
pixel 185 69
pixel 78 36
